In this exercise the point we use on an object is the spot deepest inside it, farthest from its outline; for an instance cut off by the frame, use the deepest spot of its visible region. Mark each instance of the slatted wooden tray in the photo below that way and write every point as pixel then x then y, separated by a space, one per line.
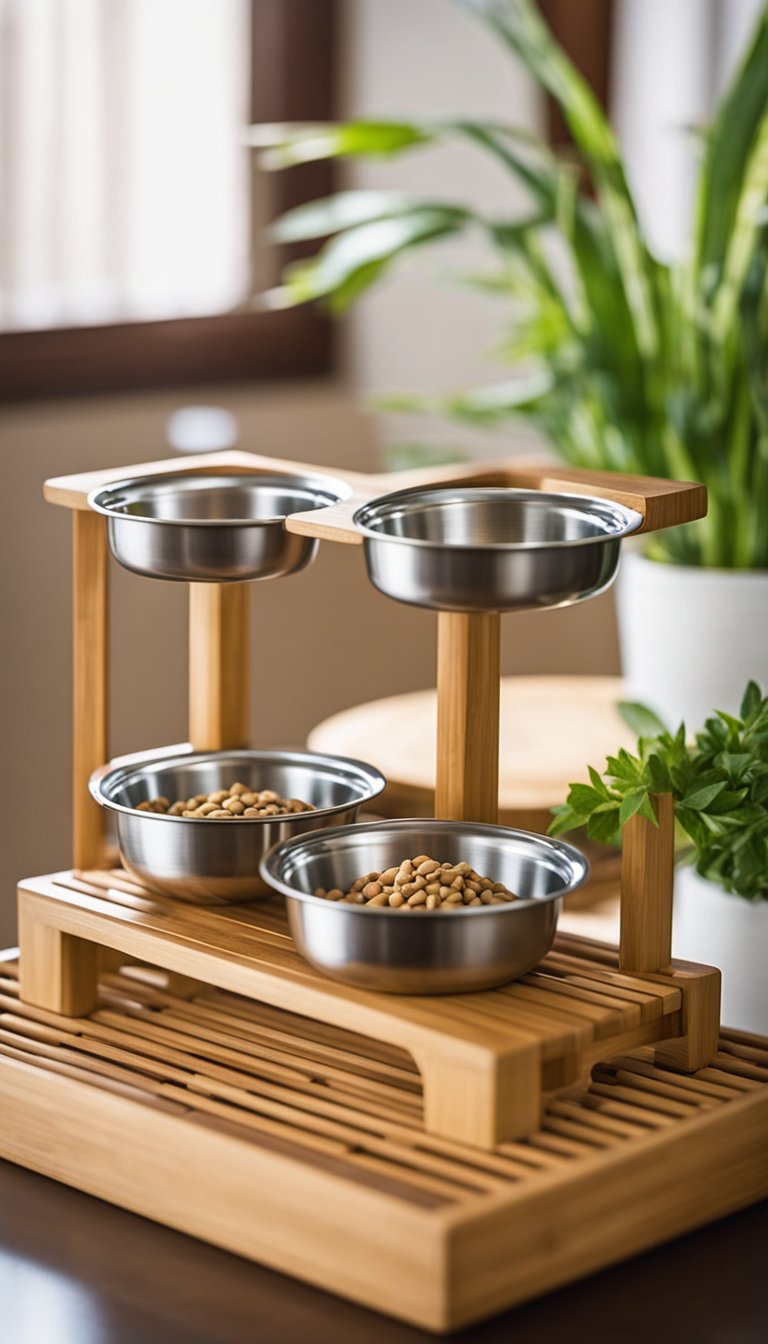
pixel 485 1059
pixel 302 1146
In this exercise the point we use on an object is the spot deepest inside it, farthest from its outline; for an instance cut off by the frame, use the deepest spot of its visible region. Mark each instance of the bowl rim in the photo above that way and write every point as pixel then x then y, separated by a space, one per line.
pixel 454 494
pixel 336 489
pixel 104 774
pixel 574 856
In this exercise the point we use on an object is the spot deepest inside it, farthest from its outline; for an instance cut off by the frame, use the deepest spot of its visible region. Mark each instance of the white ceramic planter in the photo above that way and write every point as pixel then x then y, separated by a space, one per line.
pixel 726 931
pixel 691 638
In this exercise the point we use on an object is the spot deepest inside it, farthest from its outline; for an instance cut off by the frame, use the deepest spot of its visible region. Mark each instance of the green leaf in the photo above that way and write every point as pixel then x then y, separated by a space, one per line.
pixel 701 798
pixel 647 810
pixel 728 148
pixel 598 783
pixel 751 701
pixel 632 803
pixel 640 719
pixel 565 820
pixel 748 220
pixel 345 210
pixel 519 23
pixel 584 799
pixel 604 826
pixel 658 774
pixel 353 260
pixel 285 144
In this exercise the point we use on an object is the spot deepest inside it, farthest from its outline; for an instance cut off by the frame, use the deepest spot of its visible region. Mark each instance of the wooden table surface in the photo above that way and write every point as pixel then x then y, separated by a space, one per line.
pixel 76 1271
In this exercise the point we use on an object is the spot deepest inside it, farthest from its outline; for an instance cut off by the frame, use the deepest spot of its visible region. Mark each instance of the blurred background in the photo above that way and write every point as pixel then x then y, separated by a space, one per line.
pixel 132 225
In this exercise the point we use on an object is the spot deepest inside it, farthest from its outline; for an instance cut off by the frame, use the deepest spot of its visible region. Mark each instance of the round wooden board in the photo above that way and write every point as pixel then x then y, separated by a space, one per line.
pixel 552 728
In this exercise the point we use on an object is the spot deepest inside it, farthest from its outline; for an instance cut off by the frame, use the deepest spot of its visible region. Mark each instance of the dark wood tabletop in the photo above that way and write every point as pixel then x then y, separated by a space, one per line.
pixel 74 1270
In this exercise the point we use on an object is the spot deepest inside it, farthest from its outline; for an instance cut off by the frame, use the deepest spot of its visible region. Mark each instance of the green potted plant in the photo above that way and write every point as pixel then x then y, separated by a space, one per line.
pixel 625 363
pixel 719 783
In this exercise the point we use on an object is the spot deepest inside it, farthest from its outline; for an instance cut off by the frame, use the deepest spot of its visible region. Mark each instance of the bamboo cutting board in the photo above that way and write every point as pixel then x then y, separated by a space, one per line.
pixel 551 729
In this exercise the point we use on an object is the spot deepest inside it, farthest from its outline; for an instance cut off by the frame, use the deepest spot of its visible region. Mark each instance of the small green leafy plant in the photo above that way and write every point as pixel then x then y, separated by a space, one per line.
pixel 624 362
pixel 719 784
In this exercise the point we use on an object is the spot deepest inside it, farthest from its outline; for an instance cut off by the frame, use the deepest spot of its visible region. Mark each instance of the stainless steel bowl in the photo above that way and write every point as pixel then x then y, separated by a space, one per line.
pixel 433 953
pixel 212 528
pixel 492 549
pixel 211 861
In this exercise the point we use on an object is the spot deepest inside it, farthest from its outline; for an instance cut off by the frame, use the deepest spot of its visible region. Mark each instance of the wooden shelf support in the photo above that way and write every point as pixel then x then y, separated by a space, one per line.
pixel 219 677
pixel 60 972
pixel 468 696
pixel 647 881
pixel 90 650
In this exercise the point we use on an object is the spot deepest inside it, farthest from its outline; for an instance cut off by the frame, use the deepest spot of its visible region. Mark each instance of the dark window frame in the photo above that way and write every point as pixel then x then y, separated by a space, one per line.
pixel 292 79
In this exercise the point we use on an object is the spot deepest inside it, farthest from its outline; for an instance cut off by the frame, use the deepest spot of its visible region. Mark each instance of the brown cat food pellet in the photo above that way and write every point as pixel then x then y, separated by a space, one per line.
pixel 419 886
pixel 229 804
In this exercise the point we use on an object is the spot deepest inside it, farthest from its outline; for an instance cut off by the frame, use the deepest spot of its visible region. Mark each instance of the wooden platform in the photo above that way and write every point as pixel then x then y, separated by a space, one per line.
pixel 302 1146
pixel 485 1059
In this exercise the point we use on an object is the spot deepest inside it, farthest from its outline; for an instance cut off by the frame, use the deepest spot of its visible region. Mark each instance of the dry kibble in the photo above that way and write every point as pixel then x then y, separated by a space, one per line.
pixel 229 804
pixel 422 885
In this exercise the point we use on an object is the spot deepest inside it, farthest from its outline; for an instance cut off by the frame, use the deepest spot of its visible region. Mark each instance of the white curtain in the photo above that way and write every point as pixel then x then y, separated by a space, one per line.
pixel 672 62
pixel 123 182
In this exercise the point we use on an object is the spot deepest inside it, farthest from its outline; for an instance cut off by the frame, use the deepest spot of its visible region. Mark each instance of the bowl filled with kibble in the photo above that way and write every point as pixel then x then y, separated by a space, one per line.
pixel 195 825
pixel 420 906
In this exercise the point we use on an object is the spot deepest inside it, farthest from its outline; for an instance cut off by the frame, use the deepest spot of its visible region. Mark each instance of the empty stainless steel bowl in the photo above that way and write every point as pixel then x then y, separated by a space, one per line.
pixel 211 861
pixel 459 548
pixel 434 952
pixel 212 528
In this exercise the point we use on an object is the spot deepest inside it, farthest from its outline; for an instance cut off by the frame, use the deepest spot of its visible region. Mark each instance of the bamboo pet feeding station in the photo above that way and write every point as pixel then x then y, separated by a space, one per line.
pixel 304 1110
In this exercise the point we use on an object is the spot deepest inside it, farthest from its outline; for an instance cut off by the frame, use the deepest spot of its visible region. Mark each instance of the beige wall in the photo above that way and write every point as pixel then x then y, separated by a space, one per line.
pixel 323 639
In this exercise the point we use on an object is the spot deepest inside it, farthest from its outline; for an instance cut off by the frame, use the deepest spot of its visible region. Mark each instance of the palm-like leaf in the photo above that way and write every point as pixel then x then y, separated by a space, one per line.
pixel 625 363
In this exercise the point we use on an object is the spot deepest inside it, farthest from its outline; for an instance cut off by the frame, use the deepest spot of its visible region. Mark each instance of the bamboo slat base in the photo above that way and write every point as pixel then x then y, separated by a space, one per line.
pixel 302 1146
pixel 485 1059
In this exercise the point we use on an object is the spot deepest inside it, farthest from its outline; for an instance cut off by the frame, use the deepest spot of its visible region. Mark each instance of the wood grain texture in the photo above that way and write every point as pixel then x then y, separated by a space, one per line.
pixel 71 492
pixel 219 665
pixel 662 503
pixel 701 1018
pixel 484 1059
pixel 90 652
pixel 310 1153
pixel 647 882
pixel 60 972
pixel 468 695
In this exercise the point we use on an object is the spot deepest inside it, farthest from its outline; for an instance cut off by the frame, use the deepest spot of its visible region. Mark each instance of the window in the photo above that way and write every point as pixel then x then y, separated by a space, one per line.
pixel 130 208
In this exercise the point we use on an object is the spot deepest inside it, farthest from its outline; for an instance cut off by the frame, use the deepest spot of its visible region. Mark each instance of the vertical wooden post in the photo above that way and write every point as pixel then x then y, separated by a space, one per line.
pixel 90 634
pixel 647 880
pixel 219 680
pixel 468 693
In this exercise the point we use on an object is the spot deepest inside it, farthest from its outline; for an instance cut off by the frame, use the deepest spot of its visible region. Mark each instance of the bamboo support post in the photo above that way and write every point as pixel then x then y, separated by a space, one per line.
pixel 468 692
pixel 90 634
pixel 219 681
pixel 647 879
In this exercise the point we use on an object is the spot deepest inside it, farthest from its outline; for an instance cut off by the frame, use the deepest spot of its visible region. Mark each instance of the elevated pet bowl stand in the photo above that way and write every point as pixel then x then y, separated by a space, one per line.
pixel 473 1084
